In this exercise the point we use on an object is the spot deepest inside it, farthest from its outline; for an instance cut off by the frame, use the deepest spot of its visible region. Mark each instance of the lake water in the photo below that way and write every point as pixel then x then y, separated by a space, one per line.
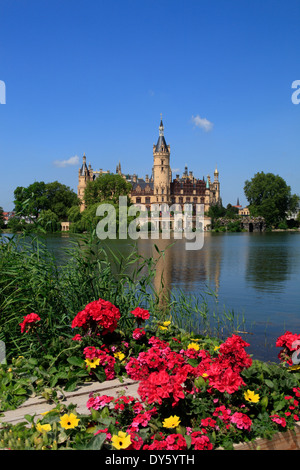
pixel 257 275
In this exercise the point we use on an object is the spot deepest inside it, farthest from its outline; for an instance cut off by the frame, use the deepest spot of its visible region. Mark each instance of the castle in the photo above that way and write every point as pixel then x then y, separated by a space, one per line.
pixel 160 188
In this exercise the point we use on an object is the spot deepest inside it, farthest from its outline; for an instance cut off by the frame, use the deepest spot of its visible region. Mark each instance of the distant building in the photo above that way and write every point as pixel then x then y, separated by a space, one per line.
pixel 65 226
pixel 238 205
pixel 7 216
pixel 160 187
pixel 293 215
pixel 244 211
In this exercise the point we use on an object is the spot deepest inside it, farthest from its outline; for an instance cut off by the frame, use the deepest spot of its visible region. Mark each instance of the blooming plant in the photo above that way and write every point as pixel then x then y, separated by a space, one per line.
pixel 194 392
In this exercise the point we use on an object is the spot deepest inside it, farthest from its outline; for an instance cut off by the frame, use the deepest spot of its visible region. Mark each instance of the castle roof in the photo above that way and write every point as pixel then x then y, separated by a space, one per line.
pixel 142 183
pixel 161 143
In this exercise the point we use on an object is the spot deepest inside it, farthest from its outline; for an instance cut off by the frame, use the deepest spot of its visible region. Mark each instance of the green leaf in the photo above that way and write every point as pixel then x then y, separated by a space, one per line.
pixel 269 383
pixel 71 385
pixel 96 442
pixel 75 361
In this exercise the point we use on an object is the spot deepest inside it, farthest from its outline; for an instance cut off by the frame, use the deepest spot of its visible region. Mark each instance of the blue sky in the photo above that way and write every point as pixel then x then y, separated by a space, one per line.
pixel 94 76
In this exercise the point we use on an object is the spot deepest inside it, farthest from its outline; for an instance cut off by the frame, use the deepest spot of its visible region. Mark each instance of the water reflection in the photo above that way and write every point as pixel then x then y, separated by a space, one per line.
pixel 270 265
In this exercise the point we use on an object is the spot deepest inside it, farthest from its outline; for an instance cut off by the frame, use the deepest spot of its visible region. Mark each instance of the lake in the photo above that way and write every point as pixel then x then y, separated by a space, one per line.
pixel 256 275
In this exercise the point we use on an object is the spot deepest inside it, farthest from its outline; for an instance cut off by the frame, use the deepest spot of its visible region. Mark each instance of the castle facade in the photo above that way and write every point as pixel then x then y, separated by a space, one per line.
pixel 160 187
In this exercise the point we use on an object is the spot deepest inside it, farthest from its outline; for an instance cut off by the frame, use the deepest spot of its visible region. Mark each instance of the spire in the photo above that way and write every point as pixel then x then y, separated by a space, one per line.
pixel 161 143
pixel 161 127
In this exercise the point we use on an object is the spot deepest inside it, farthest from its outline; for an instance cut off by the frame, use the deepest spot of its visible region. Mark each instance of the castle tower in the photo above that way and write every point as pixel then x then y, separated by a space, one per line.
pixel 162 174
pixel 85 174
pixel 217 185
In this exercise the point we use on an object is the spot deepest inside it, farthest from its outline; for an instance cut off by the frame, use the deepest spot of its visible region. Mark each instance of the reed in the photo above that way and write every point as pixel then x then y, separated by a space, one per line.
pixel 33 279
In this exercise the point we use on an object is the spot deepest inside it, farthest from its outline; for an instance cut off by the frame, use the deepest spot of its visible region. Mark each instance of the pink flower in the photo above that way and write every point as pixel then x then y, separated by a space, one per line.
pixel 241 420
pixel 277 419
pixel 138 333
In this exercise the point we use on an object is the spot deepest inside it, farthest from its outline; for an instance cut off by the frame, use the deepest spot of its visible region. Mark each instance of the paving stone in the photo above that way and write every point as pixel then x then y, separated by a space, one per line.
pixel 79 397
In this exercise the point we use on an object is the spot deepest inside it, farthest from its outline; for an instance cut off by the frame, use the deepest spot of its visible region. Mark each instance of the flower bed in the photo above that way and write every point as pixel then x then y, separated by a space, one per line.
pixel 195 392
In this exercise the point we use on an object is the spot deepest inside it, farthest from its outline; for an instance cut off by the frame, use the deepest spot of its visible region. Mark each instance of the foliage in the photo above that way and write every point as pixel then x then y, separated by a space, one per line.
pixel 217 212
pixel 270 197
pixel 107 187
pixel 1 218
pixel 49 220
pixel 41 196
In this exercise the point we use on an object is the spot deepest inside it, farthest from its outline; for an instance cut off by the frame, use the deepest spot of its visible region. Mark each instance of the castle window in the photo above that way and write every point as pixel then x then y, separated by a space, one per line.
pixel 138 200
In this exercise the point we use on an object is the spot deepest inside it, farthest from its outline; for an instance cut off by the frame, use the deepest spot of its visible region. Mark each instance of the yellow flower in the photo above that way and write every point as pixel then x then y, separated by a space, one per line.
pixel 251 396
pixel 121 441
pixel 295 367
pixel 204 374
pixel 93 363
pixel 43 427
pixel 171 422
pixel 216 348
pixel 69 421
pixel 165 325
pixel 119 355
pixel 194 346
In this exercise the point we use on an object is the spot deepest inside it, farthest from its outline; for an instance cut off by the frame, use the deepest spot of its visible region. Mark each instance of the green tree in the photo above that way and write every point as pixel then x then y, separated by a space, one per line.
pixel 40 196
pixel 49 221
pixel 1 218
pixel 270 197
pixel 14 224
pixel 231 212
pixel 31 200
pixel 215 212
pixel 74 214
pixel 61 198
pixel 107 187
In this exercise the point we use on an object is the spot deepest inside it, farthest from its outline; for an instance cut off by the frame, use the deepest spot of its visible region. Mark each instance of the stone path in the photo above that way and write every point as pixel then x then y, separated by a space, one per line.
pixel 79 397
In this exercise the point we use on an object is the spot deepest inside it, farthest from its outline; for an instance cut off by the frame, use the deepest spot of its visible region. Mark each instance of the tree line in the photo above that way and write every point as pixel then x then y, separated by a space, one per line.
pixel 268 196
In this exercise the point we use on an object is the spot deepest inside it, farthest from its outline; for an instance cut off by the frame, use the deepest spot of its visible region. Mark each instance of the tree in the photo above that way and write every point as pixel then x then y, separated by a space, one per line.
pixel 215 212
pixel 49 221
pixel 1 218
pixel 40 196
pixel 231 212
pixel 31 200
pixel 74 214
pixel 107 187
pixel 270 197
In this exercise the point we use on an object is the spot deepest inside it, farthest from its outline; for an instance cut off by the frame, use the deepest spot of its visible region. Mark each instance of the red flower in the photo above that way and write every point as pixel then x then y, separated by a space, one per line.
pixel 139 312
pixel 200 441
pixel 98 314
pixel 31 318
pixel 77 338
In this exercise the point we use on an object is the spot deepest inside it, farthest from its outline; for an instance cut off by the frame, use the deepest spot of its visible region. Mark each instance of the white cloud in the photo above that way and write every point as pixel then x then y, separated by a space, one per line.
pixel 203 123
pixel 69 162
